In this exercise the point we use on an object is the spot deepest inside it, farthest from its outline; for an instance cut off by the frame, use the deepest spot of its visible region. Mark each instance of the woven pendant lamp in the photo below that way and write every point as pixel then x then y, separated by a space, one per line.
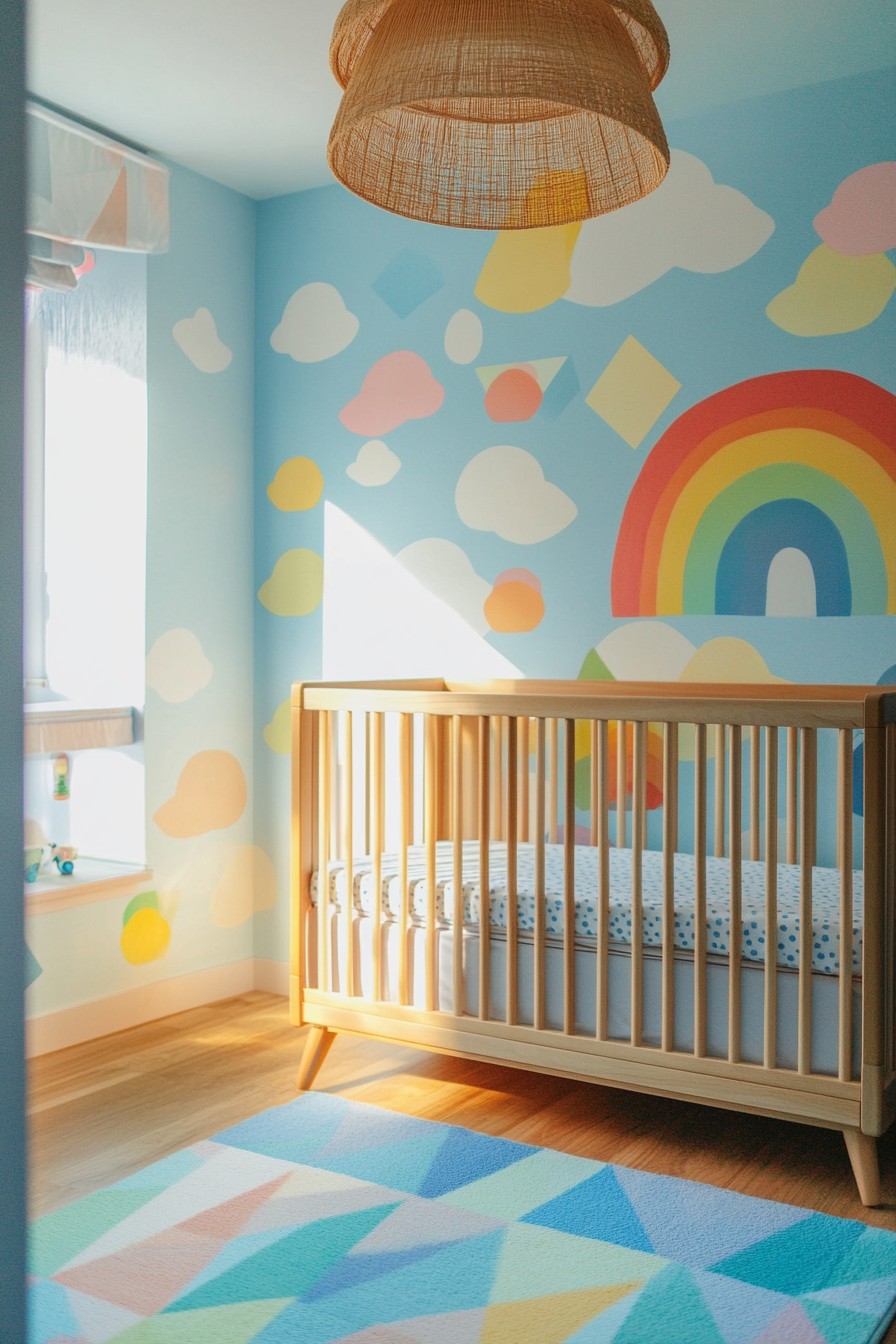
pixel 499 114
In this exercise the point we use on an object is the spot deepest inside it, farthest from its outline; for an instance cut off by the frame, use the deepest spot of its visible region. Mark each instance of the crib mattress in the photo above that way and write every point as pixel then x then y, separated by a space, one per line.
pixel 825 902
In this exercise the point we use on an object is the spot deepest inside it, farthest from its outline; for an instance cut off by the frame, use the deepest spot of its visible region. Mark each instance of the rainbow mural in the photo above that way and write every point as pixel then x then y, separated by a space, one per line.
pixel 803 461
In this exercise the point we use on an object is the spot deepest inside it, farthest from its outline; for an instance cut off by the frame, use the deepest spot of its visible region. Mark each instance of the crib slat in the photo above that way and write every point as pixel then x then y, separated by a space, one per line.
pixel 755 792
pixel 569 878
pixel 600 802
pixel 700 889
pixel 595 779
pixel 621 783
pixel 670 845
pixel 553 781
pixel 368 790
pixel 719 828
pixel 770 1026
pixel 512 903
pixel 735 924
pixel 792 781
pixel 808 791
pixel 348 849
pixel 376 843
pixel 405 773
pixel 844 834
pixel 522 737
pixel 485 929
pixel 323 852
pixel 457 812
pixel 540 911
pixel 639 743
pixel 497 749
pixel 430 802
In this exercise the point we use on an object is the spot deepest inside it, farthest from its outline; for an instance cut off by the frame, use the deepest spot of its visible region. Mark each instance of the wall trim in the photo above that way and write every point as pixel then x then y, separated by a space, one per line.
pixel 148 1003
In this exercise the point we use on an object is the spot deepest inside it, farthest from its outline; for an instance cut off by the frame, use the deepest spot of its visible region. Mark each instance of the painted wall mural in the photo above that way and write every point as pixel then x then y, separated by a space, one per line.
pixel 774 497
pixel 594 437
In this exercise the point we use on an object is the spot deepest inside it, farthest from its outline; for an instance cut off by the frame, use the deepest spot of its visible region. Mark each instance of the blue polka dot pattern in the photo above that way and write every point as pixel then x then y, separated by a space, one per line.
pixel 825 898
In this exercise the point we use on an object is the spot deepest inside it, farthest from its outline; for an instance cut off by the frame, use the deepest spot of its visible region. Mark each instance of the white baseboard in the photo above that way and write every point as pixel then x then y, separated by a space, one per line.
pixel 102 1017
pixel 272 976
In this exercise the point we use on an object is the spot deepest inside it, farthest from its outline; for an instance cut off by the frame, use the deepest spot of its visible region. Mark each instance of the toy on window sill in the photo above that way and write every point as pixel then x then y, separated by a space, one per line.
pixel 64 858
pixel 32 864
pixel 61 790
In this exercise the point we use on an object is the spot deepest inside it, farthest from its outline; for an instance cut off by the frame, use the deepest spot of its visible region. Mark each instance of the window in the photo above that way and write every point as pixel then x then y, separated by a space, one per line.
pixel 86 543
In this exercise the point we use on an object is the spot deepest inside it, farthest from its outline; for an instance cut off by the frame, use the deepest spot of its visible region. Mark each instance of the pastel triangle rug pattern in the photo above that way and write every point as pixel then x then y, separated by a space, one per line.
pixel 329 1222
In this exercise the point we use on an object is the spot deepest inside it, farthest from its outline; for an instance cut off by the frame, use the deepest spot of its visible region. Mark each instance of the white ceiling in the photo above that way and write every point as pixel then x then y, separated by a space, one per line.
pixel 241 90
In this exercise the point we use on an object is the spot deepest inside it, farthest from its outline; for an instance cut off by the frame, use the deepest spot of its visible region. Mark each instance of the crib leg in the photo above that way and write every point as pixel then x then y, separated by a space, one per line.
pixel 862 1151
pixel 317 1047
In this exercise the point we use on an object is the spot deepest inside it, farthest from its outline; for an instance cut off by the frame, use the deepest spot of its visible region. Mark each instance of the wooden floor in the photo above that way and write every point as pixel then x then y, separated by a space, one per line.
pixel 102 1110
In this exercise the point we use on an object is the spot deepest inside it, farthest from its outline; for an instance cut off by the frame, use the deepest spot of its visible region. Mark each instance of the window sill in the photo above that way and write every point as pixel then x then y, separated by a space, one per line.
pixel 93 880
pixel 59 725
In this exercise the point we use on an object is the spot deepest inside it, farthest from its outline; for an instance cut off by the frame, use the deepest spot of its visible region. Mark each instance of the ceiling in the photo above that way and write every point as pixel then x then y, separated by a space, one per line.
pixel 241 90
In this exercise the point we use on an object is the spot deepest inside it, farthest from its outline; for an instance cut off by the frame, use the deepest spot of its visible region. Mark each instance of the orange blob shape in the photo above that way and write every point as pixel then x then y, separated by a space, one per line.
pixel 514 395
pixel 211 794
pixel 514 608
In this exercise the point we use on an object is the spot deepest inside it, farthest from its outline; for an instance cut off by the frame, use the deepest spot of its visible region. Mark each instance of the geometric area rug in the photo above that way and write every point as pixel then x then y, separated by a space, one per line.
pixel 325 1220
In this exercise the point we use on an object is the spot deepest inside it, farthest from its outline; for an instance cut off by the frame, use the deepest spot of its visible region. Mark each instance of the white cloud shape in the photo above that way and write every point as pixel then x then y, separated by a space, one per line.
pixel 375 464
pixel 503 490
pixel 690 221
pixel 315 325
pixel 446 570
pixel 176 666
pixel 463 337
pixel 646 651
pixel 198 338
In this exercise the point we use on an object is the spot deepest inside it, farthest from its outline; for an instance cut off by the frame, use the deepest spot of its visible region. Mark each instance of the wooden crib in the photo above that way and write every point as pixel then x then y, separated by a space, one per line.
pixel 458 777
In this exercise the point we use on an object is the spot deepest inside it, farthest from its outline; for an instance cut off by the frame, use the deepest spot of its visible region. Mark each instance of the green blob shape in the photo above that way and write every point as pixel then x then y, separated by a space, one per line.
pixel 837 1325
pixel 296 585
pixel 290 1266
pixel 583 784
pixel 147 900
pixel 786 480
pixel 670 1310
pixel 235 1324
pixel 801 1259
pixel 57 1238
pixel 594 668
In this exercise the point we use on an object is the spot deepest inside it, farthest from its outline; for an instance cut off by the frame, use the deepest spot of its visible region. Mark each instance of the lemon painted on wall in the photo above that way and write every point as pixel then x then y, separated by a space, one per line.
pixel 146 934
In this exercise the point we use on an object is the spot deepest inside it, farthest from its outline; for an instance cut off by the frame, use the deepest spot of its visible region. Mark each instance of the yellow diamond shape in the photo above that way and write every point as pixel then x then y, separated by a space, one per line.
pixel 632 392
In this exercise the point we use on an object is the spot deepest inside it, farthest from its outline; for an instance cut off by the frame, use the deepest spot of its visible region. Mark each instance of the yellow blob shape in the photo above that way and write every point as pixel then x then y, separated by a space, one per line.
pixel 298 485
pixel 278 732
pixel 729 659
pixel 527 269
pixel 296 587
pixel 632 392
pixel 834 293
pixel 145 937
pixel 211 795
pixel 248 884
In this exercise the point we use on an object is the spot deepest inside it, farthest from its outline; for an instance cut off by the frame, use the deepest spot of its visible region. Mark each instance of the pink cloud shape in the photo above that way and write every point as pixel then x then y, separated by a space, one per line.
pixel 861 218
pixel 399 387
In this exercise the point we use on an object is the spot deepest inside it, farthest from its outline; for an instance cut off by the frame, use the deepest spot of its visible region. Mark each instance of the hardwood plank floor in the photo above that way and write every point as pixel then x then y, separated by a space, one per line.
pixel 102 1110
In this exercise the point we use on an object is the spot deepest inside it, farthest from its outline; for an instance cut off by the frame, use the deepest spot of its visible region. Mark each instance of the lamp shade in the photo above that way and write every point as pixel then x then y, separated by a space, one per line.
pixel 499 114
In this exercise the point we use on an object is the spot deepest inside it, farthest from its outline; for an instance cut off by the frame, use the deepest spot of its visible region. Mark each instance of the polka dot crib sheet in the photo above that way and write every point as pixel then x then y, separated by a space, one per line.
pixel 825 904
